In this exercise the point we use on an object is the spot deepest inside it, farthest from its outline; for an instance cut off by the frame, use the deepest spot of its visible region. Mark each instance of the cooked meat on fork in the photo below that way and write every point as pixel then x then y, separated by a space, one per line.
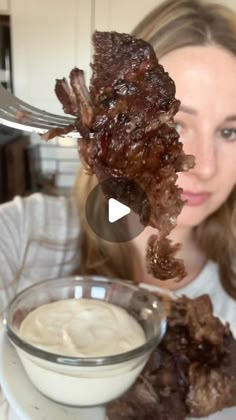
pixel 128 132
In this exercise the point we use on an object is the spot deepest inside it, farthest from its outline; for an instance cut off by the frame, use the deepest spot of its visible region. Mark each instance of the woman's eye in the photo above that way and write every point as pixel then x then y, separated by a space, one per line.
pixel 228 134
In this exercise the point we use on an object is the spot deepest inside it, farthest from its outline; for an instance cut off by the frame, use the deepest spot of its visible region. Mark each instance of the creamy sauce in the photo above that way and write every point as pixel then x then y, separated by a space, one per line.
pixel 87 328
pixel 82 328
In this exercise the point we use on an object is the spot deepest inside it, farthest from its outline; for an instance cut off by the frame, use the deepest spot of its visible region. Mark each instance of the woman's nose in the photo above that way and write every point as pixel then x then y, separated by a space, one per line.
pixel 204 149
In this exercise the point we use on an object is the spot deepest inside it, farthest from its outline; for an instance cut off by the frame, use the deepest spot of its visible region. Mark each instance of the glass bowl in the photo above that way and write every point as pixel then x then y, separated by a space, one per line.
pixel 85 381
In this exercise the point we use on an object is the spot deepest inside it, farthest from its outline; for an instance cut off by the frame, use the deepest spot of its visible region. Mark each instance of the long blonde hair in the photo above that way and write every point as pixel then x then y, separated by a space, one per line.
pixel 171 25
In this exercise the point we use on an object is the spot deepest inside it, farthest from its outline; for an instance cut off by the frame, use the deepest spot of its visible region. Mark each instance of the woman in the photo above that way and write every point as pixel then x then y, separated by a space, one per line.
pixel 47 237
pixel 195 42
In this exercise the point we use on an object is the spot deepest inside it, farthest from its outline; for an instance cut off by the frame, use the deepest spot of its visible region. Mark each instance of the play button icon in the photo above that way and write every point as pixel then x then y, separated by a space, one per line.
pixel 116 210
pixel 113 207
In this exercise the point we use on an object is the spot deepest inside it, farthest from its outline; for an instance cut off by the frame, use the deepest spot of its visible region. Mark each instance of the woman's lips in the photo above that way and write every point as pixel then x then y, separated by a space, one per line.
pixel 194 199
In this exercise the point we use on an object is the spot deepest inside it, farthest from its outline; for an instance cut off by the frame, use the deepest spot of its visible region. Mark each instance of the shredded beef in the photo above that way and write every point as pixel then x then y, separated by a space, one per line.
pixel 128 132
pixel 191 373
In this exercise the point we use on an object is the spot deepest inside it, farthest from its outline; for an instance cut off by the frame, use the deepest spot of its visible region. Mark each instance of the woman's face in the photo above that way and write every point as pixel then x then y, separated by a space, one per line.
pixel 205 79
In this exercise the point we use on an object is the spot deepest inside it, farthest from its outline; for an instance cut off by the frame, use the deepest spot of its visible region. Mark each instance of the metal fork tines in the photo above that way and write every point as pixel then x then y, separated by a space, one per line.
pixel 18 114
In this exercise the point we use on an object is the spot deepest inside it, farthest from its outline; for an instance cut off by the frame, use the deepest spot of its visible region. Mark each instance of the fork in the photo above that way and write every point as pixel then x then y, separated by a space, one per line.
pixel 18 114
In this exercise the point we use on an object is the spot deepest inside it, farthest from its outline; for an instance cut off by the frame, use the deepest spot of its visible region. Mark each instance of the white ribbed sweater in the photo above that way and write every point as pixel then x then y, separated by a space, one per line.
pixel 38 241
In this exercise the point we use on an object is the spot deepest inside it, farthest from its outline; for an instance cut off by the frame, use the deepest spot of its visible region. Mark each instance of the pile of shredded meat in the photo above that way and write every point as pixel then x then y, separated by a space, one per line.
pixel 128 132
pixel 191 373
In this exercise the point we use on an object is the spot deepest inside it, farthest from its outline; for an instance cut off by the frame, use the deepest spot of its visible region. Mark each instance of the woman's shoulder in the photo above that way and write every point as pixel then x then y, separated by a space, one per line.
pixel 42 213
pixel 44 203
pixel 32 201
pixel 55 214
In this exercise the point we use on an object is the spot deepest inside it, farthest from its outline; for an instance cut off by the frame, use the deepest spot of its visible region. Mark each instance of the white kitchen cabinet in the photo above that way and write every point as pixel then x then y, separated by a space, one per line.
pixel 51 36
pixel 48 39
pixel 4 7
